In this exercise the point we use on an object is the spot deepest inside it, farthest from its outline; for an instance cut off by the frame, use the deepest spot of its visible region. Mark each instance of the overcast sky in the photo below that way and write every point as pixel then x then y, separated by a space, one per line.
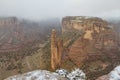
pixel 42 9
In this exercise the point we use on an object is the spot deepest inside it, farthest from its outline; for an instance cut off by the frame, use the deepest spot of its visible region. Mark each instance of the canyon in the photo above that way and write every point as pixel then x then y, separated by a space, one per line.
pixel 88 43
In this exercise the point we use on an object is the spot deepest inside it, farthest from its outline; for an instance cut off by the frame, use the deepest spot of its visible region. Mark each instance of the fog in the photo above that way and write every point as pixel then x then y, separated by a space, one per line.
pixel 44 9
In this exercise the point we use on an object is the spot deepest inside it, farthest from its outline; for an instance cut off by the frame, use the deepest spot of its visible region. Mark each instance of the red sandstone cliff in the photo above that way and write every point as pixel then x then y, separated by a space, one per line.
pixel 96 47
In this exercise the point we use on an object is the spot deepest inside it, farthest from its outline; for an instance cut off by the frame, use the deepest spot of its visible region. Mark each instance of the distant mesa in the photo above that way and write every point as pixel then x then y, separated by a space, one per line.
pixel 81 22
pixel 94 28
pixel 8 21
pixel 14 33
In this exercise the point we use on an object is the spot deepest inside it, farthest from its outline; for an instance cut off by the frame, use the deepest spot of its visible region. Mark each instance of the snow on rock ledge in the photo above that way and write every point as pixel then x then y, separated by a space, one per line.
pixel 60 74
pixel 76 74
pixel 113 75
pixel 37 75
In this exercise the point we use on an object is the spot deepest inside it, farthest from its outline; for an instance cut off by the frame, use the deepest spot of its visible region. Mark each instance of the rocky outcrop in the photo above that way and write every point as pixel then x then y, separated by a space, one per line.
pixel 60 74
pixel 82 23
pixel 97 34
pixel 56 51
pixel 95 29
pixel 113 75
pixel 37 75
pixel 97 44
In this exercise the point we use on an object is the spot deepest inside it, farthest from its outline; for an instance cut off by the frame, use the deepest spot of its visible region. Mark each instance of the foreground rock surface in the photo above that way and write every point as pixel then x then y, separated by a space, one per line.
pixel 60 74
pixel 113 75
pixel 37 75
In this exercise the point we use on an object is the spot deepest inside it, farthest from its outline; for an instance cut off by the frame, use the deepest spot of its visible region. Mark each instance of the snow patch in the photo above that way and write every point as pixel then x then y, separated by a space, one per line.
pixel 77 74
pixel 36 75
pixel 60 74
pixel 115 74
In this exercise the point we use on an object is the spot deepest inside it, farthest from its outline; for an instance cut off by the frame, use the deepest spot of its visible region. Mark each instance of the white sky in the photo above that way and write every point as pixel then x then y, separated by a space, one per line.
pixel 43 9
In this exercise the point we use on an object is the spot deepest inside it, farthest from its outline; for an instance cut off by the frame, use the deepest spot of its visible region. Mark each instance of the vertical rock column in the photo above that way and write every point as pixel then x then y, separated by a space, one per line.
pixel 60 51
pixel 54 51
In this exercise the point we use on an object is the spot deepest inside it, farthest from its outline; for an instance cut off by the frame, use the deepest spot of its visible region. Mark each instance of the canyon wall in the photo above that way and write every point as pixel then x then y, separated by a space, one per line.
pixel 94 29
pixel 82 23
pixel 8 21
pixel 96 47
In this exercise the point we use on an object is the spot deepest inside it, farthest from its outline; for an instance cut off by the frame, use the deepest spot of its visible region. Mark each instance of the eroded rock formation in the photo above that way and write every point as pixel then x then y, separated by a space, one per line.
pixel 95 29
pixel 56 50
pixel 82 23
pixel 96 46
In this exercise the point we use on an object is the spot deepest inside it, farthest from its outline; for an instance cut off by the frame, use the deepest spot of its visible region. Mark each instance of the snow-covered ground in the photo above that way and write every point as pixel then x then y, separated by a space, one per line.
pixel 60 74
pixel 37 75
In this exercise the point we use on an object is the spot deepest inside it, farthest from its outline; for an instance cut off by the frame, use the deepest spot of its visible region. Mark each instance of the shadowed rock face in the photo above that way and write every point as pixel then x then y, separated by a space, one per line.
pixel 77 52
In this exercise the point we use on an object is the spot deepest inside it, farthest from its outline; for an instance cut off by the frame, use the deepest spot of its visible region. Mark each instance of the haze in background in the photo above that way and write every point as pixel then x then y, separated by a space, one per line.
pixel 44 9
